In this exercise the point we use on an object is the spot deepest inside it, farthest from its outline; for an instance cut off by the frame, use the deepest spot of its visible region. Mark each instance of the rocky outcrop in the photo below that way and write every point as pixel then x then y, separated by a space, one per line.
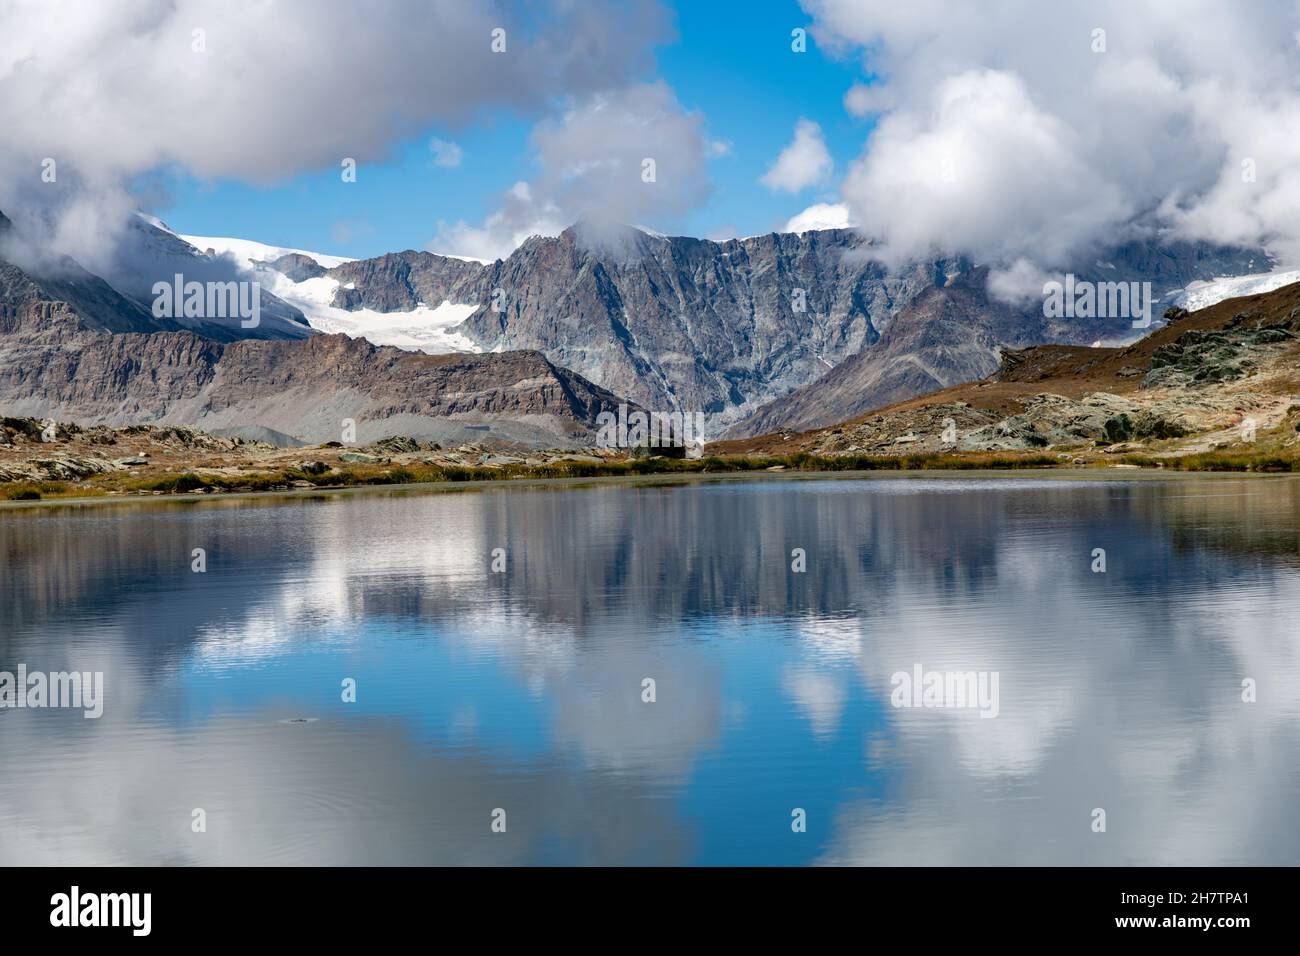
pixel 1049 421
pixel 64 451
pixel 1043 422
pixel 1218 355
pixel 401 281
pixel 295 266
pixel 40 458
pixel 52 366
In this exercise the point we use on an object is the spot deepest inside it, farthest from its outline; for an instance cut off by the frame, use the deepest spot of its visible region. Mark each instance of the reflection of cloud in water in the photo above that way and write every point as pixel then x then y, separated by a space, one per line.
pixel 1119 690
pixel 599 709
pixel 819 696
pixel 1139 712
pixel 329 792
pixel 1038 692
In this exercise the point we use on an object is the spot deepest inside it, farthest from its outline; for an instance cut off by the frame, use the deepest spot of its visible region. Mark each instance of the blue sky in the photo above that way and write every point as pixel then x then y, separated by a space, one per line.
pixel 736 70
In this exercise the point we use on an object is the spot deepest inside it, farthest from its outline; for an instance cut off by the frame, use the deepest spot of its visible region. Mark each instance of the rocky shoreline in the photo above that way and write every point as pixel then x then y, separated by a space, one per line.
pixel 45 459
pixel 62 462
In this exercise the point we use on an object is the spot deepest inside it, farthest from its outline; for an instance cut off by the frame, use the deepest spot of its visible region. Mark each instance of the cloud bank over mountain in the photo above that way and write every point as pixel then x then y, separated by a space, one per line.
pixel 1008 130
pixel 629 155
pixel 262 91
pixel 1016 129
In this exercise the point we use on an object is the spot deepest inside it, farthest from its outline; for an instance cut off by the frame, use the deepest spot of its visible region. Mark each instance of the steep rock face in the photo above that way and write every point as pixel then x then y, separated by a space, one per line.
pixel 295 266
pixel 1237 392
pixel 88 296
pixel 717 327
pixel 98 303
pixel 955 333
pixel 945 335
pixel 1173 264
pixel 51 365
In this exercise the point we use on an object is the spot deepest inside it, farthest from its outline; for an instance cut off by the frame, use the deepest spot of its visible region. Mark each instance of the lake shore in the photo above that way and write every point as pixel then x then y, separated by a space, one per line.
pixel 1112 473
pixel 58 462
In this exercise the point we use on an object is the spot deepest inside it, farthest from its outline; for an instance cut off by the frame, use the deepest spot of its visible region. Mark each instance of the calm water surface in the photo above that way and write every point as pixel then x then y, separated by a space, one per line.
pixel 523 690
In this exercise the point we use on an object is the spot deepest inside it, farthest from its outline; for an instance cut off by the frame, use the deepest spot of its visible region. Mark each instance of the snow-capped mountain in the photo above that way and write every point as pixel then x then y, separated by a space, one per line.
pixel 423 328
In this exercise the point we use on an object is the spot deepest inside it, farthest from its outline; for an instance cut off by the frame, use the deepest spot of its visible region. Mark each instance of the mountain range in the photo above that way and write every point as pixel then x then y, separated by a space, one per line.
pixel 776 332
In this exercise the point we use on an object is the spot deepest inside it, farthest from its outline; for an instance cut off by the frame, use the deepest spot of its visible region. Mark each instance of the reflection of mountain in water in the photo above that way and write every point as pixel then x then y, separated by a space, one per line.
pixel 657 553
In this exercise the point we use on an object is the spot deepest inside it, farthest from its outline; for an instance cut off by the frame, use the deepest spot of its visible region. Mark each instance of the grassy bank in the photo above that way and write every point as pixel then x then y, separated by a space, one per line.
pixel 366 474
pixel 1219 461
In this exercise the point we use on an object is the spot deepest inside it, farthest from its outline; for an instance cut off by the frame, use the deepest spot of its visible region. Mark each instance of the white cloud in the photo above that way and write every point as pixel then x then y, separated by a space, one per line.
pixel 1057 145
pixel 821 216
pixel 805 162
pixel 519 217
pixel 113 91
pixel 630 155
pixel 984 170
pixel 445 153
pixel 1018 283
pixel 863 99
